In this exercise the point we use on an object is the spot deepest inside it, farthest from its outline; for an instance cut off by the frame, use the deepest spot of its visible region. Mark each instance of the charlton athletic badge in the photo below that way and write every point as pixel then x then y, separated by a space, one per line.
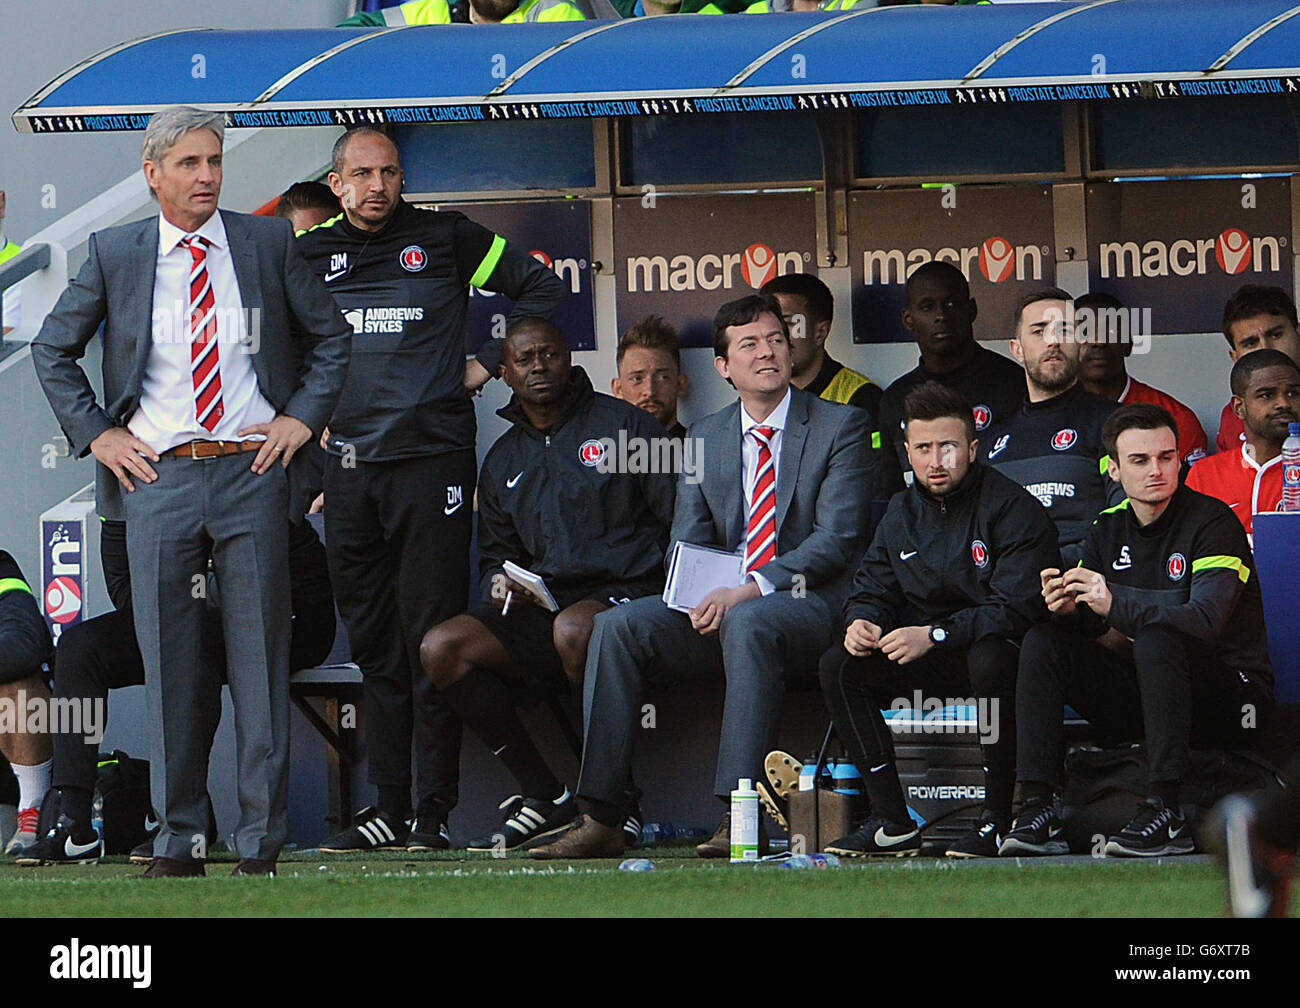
pixel 1177 567
pixel 413 258
pixel 980 554
pixel 590 452
pixel 1065 439
pixel 982 416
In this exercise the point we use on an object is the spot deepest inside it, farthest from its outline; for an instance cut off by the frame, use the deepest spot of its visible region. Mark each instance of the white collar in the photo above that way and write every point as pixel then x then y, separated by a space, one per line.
pixel 774 419
pixel 1248 459
pixel 169 235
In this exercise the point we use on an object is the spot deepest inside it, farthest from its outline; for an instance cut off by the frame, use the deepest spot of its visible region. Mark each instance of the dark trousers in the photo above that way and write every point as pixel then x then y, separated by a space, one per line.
pixel 398 552
pixel 101 654
pixel 1170 693
pixel 856 689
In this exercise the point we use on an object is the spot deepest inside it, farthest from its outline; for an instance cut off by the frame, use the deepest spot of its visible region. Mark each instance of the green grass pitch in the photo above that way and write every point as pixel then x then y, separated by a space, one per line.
pixel 456 885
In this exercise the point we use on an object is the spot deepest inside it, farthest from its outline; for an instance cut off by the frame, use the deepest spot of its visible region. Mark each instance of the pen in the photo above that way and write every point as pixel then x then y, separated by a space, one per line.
pixel 506 608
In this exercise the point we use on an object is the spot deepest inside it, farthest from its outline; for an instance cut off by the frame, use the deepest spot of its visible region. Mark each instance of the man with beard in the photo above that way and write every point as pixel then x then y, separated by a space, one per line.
pixel 940 313
pixel 1052 445
pixel 1265 398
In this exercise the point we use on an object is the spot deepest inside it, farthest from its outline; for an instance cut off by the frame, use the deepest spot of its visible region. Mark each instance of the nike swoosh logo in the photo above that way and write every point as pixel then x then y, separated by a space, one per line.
pixel 150 824
pixel 1174 833
pixel 877 769
pixel 453 508
pixel 498 752
pixel 335 275
pixel 907 556
pixel 1235 504
pixel 1053 831
pixel 78 850
pixel 883 839
pixel 510 483
pixel 1121 566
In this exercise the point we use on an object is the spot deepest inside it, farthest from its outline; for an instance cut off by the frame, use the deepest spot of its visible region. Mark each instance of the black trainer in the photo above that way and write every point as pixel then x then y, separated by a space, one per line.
pixel 879 838
pixel 1039 830
pixel 528 821
pixel 64 843
pixel 428 833
pixel 632 827
pixel 372 830
pixel 982 841
pixel 1156 830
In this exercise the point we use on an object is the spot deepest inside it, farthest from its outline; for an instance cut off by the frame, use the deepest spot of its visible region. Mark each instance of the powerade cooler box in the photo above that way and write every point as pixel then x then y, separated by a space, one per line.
pixel 940 767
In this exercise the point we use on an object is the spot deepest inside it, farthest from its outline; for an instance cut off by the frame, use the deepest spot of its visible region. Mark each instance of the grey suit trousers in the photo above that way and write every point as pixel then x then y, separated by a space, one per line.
pixel 645 642
pixel 195 510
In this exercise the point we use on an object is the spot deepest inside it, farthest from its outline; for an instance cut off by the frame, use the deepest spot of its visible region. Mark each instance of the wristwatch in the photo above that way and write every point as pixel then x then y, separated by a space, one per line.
pixel 938 635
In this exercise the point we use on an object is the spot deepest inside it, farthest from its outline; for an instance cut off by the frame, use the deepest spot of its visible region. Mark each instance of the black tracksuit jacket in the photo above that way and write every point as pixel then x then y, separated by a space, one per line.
pixel 545 504
pixel 968 562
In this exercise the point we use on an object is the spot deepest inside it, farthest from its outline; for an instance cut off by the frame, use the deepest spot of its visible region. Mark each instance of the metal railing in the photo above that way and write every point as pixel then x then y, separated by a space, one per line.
pixel 30 260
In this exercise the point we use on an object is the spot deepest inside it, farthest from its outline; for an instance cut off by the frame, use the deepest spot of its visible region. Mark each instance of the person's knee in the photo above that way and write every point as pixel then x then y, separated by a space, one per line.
pixel 992 664
pixel 1159 645
pixel 571 633
pixel 442 653
pixel 830 670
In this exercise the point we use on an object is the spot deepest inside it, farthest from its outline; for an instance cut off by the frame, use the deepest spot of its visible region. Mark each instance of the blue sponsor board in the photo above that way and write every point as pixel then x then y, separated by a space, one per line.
pixel 556 232
pixel 63 573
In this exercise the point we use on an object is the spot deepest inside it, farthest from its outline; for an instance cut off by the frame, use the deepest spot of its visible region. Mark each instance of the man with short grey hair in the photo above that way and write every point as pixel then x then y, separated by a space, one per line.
pixel 246 354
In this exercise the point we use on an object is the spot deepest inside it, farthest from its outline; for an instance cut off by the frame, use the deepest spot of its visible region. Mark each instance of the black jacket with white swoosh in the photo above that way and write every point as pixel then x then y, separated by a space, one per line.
pixel 548 502
pixel 968 562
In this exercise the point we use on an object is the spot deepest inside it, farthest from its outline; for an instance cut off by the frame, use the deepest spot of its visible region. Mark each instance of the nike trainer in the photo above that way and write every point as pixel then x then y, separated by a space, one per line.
pixel 879 838
pixel 1155 831
pixel 1039 830
pixel 65 843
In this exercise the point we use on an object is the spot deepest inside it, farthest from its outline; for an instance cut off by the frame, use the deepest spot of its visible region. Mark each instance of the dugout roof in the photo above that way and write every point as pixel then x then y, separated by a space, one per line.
pixel 1093 50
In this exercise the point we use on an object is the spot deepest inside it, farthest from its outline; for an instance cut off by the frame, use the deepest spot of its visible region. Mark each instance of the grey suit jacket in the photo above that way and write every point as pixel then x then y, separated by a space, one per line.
pixel 823 490
pixel 302 344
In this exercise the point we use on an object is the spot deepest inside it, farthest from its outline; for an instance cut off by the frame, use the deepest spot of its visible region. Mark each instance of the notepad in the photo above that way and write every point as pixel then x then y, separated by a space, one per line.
pixel 694 571
pixel 534 583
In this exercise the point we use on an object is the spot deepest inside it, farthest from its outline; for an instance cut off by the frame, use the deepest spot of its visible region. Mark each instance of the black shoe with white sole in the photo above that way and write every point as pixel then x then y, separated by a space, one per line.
pixel 1155 831
pixel 983 841
pixel 64 843
pixel 372 830
pixel 528 821
pixel 428 833
pixel 1039 830
pixel 878 838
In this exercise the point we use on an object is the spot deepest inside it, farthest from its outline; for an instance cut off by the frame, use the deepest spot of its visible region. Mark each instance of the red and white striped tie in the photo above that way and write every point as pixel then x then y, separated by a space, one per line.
pixel 205 365
pixel 760 532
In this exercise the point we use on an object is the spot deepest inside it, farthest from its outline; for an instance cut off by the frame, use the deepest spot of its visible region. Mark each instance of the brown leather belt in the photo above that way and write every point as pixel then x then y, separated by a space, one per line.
pixel 211 449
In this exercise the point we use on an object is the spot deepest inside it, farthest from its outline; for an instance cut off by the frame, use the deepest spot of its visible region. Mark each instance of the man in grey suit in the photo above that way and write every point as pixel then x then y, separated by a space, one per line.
pixel 786 482
pixel 218 342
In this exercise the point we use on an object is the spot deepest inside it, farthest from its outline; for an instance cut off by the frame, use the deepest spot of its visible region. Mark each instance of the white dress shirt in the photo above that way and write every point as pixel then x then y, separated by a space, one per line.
pixel 166 416
pixel 749 462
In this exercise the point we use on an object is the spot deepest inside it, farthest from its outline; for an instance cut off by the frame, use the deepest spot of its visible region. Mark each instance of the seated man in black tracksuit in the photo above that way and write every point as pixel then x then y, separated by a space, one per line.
pixel 940 602
pixel 1170 570
pixel 1052 445
pixel 556 498
pixel 100 654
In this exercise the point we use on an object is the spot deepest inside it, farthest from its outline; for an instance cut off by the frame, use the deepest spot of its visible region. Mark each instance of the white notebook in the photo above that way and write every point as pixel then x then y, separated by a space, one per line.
pixel 533 583
pixel 694 571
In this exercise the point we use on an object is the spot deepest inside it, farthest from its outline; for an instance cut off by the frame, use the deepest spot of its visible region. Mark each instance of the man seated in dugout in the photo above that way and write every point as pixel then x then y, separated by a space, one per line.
pixel 650 375
pixel 939 604
pixel 564 495
pixel 1171 571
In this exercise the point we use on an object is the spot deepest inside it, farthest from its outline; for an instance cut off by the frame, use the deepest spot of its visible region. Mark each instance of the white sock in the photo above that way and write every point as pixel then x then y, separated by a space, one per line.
pixel 33 782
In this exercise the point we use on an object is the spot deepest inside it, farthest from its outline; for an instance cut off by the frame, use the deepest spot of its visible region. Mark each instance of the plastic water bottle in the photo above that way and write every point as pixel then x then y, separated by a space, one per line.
pixel 1291 469
pixel 847 779
pixel 657 832
pixel 744 822
pixel 807 774
pixel 637 864
pixel 795 861
pixel 97 813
